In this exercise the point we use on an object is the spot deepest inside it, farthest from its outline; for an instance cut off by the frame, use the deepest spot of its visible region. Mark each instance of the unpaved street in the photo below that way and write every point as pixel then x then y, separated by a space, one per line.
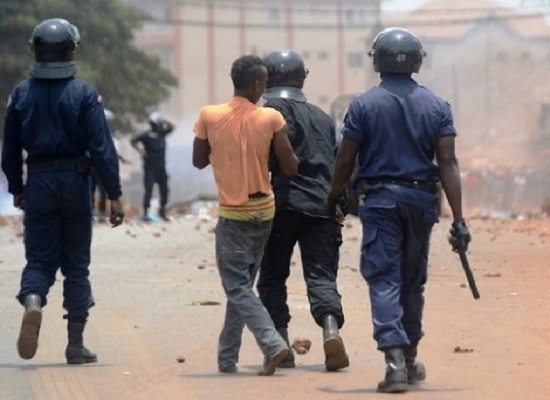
pixel 150 281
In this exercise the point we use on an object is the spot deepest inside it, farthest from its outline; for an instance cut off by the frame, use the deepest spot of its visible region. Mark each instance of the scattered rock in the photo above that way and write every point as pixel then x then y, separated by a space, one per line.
pixel 205 303
pixel 180 359
pixel 459 349
pixel 301 345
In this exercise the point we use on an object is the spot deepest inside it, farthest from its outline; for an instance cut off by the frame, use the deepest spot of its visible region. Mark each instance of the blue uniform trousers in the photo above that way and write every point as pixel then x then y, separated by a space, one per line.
pixel 394 260
pixel 58 234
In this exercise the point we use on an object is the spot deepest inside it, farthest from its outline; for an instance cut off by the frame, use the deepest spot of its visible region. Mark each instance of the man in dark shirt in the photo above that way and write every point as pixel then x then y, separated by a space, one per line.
pixel 301 214
pixel 151 145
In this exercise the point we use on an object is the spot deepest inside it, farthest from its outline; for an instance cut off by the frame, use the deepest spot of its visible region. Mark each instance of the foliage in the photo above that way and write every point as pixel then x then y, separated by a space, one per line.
pixel 131 82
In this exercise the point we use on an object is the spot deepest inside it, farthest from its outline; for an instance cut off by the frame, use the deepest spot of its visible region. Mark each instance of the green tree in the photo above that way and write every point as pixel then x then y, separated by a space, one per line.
pixel 132 82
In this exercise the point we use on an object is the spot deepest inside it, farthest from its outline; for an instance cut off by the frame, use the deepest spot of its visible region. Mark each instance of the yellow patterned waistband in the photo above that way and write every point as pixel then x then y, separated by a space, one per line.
pixel 257 209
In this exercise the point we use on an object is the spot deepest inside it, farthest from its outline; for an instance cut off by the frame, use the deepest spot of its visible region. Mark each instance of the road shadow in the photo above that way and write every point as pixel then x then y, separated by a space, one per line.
pixel 244 371
pixel 252 370
pixel 319 368
pixel 412 389
pixel 29 367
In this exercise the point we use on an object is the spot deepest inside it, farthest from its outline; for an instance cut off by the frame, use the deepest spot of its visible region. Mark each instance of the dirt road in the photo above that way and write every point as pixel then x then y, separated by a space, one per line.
pixel 149 282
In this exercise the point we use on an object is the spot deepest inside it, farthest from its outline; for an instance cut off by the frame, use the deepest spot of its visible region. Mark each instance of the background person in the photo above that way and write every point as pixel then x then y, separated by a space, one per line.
pixel 151 146
pixel 99 194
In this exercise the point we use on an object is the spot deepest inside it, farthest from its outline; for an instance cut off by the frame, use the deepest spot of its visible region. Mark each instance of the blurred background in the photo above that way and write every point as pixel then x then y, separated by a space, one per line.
pixel 489 59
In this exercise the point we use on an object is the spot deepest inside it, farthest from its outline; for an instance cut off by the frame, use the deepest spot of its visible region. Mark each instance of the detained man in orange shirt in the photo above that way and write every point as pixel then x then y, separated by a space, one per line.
pixel 236 138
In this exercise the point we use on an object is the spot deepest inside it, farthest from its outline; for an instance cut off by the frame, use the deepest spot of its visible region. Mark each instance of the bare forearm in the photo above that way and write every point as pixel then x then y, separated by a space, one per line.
pixel 201 153
pixel 342 174
pixel 200 163
pixel 450 180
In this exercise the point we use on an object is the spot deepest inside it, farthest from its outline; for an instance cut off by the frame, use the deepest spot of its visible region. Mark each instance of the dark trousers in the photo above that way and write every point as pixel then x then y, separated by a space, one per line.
pixel 58 235
pixel 319 240
pixel 394 261
pixel 152 175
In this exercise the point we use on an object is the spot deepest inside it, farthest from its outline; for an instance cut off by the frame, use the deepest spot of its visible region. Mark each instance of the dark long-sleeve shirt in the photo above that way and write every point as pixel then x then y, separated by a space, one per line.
pixel 58 118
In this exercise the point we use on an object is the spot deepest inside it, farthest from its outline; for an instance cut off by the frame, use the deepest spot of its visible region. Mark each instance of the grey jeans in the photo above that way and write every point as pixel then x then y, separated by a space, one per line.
pixel 239 251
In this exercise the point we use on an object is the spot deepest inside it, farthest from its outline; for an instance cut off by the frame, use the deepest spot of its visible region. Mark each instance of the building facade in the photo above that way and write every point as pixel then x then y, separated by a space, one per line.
pixel 491 63
pixel 199 40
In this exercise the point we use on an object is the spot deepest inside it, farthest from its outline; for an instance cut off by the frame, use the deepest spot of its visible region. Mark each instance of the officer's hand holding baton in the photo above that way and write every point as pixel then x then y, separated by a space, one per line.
pixel 460 236
pixel 459 239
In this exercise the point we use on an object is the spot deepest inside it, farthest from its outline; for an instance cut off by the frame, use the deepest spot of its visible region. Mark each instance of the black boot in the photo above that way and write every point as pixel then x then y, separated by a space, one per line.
pixel 163 215
pixel 415 369
pixel 30 327
pixel 288 362
pixel 335 353
pixel 75 352
pixel 395 380
pixel 146 217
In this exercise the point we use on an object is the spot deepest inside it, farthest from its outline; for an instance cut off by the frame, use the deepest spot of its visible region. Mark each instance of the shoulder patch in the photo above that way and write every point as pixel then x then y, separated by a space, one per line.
pixel 99 99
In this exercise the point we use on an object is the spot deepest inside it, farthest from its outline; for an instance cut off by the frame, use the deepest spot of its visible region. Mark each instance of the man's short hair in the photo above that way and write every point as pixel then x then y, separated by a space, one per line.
pixel 246 70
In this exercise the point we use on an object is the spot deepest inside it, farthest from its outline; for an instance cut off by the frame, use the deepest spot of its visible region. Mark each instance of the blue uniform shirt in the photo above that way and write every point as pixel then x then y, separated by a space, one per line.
pixel 397 124
pixel 58 118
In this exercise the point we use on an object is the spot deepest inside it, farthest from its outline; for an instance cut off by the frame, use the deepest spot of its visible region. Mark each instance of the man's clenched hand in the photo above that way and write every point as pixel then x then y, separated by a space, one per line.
pixel 117 213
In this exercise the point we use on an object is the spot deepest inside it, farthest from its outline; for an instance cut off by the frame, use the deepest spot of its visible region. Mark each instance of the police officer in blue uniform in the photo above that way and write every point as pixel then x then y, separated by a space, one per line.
pixel 151 145
pixel 396 130
pixel 301 215
pixel 58 120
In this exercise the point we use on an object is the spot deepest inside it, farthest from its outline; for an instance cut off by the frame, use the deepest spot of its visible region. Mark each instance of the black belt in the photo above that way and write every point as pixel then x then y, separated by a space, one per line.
pixel 430 187
pixel 257 195
pixel 51 165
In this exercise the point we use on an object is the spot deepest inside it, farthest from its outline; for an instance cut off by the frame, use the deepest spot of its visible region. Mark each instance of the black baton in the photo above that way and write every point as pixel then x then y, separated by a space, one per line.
pixel 469 274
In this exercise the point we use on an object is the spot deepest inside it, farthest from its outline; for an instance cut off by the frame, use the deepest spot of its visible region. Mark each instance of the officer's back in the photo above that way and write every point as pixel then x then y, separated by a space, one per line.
pixel 403 124
pixel 50 114
pixel 57 119
pixel 311 133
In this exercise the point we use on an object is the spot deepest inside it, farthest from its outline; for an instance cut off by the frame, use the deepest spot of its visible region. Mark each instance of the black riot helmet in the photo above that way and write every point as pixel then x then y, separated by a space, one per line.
pixel 54 40
pixel 397 50
pixel 285 68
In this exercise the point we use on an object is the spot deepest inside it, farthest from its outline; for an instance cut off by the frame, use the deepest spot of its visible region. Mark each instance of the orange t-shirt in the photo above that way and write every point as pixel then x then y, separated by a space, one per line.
pixel 240 135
